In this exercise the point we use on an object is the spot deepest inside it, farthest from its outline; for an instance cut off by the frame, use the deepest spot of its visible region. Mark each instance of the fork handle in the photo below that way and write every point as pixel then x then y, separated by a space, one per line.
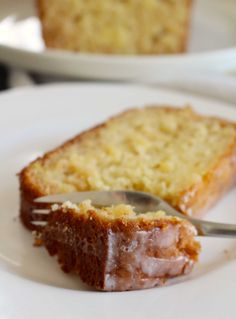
pixel 212 229
pixel 204 228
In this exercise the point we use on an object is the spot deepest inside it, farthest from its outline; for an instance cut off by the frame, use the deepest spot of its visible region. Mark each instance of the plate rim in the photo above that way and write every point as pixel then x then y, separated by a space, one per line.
pixel 100 67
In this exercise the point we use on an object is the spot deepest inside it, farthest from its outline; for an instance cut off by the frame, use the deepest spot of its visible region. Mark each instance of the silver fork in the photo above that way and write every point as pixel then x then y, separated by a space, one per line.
pixel 141 201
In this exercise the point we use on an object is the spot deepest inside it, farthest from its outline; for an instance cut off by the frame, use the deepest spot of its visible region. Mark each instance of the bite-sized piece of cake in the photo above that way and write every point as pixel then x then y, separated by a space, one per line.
pixel 115 249
pixel 116 26
pixel 187 159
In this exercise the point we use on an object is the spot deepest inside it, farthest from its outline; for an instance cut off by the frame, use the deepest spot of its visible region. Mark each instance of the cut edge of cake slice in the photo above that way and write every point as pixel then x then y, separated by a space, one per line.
pixel 116 249
pixel 118 26
pixel 193 200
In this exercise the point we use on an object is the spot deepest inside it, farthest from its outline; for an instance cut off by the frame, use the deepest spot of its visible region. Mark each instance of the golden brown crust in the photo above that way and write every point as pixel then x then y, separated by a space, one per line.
pixel 194 201
pixel 222 177
pixel 184 45
pixel 122 254
pixel 30 191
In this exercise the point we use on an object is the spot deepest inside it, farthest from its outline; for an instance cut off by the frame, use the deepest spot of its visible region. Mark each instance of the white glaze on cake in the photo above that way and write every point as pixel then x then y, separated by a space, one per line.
pixel 138 258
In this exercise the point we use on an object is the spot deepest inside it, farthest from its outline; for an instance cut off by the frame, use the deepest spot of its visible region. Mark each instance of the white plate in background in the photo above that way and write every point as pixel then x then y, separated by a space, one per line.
pixel 34 120
pixel 212 46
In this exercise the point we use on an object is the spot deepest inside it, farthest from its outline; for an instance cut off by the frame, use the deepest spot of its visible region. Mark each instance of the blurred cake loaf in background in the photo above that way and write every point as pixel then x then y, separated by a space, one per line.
pixel 116 26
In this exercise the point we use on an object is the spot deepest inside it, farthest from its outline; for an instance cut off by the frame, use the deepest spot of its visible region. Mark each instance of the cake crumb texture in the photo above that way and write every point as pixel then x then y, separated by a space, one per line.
pixel 115 249
pixel 187 159
pixel 116 26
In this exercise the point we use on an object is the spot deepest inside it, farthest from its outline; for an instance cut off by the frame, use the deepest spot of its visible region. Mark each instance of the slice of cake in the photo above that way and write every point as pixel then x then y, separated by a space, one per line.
pixel 187 159
pixel 116 26
pixel 115 249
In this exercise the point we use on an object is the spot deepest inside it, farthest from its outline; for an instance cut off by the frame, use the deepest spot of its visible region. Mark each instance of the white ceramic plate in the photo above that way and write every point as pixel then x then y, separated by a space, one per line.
pixel 35 120
pixel 212 46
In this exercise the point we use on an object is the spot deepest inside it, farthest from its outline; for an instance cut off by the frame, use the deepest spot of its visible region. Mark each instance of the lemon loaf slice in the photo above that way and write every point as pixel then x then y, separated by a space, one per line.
pixel 116 26
pixel 115 249
pixel 187 159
